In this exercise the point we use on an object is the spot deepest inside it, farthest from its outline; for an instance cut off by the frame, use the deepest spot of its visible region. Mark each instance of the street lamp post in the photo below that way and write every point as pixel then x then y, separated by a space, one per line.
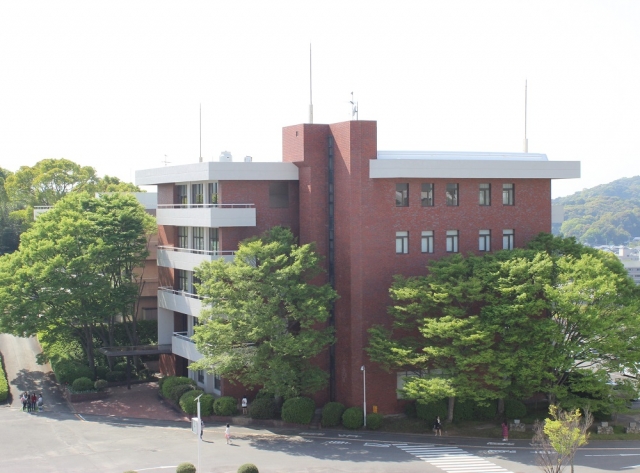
pixel 364 392
pixel 199 429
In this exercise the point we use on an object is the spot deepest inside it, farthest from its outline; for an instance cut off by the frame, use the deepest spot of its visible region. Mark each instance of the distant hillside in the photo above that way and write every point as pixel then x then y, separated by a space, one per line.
pixel 605 214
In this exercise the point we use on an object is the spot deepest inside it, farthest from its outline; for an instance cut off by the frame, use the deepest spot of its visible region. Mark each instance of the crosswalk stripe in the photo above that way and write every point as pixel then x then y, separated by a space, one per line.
pixel 452 459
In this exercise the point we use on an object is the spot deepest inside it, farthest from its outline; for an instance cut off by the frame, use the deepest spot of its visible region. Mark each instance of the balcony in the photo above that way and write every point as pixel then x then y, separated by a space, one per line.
pixel 179 301
pixel 187 259
pixel 207 215
pixel 182 345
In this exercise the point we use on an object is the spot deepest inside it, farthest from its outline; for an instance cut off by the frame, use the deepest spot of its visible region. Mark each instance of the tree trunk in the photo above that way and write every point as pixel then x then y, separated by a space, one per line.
pixel 501 407
pixel 452 401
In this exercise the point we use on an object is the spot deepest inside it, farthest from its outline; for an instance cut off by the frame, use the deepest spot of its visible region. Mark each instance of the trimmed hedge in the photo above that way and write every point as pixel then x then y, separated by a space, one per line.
pixel 248 468
pixel 177 391
pixel 353 418
pixel 117 376
pixel 298 410
pixel 410 410
pixel 68 371
pixel 4 384
pixel 514 409
pixel 374 421
pixel 332 414
pixel 225 406
pixel 486 412
pixel 186 468
pixel 429 411
pixel 264 408
pixel 100 384
pixel 188 402
pixel 101 372
pixel 463 410
pixel 171 381
pixel 206 405
pixel 82 384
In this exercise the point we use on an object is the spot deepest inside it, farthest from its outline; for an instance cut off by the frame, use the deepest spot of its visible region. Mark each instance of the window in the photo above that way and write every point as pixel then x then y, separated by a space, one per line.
pixel 402 242
pixel 452 241
pixel 201 376
pixel 485 194
pixel 198 238
pixel 426 195
pixel 183 280
pixel 508 239
pixel 197 193
pixel 508 194
pixel 402 195
pixel 217 382
pixel 181 192
pixel 183 237
pixel 452 195
pixel 427 242
pixel 213 192
pixel 279 195
pixel 194 281
pixel 484 240
pixel 214 242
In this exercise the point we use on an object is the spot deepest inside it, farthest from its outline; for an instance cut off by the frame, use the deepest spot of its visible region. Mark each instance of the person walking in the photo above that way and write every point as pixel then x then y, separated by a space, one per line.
pixel 34 400
pixel 40 403
pixel 437 426
pixel 23 398
pixel 505 431
pixel 227 434
pixel 28 402
pixel 244 403
pixel 201 428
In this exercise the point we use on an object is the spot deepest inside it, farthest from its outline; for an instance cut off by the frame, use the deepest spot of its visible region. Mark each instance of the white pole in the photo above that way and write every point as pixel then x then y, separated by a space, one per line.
pixel 199 430
pixel 364 393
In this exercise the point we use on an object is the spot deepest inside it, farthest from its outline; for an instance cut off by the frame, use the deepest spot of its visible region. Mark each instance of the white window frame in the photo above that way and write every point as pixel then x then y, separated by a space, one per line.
pixel 508 194
pixel 508 239
pixel 452 241
pixel 427 242
pixel 484 197
pixel 402 243
pixel 484 240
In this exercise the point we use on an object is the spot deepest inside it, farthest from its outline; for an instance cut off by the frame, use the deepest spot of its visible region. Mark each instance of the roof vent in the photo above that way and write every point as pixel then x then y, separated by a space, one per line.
pixel 248 159
pixel 225 157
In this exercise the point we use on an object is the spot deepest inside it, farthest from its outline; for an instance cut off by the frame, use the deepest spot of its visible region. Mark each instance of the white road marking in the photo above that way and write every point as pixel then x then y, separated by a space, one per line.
pixel 311 433
pixel 452 459
pixel 383 445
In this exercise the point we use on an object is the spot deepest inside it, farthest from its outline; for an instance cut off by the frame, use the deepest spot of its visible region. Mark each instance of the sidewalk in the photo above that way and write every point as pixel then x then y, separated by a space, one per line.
pixel 140 402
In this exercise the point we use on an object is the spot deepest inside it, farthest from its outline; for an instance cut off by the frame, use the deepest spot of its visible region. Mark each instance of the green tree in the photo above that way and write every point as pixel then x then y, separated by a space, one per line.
pixel 266 320
pixel 9 229
pixel 512 323
pixel 73 270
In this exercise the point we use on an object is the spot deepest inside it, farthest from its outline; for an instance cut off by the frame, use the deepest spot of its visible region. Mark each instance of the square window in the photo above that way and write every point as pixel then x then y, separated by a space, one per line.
pixel 214 241
pixel 213 192
pixel 197 194
pixel 197 238
pixel 485 194
pixel 426 195
pixel 452 241
pixel 402 195
pixel 484 240
pixel 427 242
pixel 181 195
pixel 508 197
pixel 279 195
pixel 508 239
pixel 402 242
pixel 452 195
pixel 183 237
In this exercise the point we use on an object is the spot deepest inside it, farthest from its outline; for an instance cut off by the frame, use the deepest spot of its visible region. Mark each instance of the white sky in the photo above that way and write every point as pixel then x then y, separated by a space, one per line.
pixel 117 85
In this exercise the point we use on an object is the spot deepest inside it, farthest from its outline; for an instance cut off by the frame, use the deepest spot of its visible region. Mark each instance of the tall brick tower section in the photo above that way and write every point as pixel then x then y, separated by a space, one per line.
pixel 353 265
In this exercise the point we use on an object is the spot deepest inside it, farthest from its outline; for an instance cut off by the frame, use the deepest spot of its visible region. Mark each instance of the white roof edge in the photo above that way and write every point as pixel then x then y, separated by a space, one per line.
pixel 473 169
pixel 218 171
pixel 462 155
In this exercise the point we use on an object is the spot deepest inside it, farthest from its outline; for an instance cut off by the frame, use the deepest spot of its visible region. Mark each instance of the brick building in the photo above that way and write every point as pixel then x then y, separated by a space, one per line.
pixel 372 214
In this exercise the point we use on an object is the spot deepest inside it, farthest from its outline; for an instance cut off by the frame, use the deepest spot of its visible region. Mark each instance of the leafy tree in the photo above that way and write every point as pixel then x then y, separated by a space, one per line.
pixel 266 318
pixel 511 323
pixel 9 229
pixel 558 439
pixel 73 271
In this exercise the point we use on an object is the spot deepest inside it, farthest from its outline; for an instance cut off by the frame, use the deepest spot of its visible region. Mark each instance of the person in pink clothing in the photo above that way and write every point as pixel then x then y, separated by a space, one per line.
pixel 505 431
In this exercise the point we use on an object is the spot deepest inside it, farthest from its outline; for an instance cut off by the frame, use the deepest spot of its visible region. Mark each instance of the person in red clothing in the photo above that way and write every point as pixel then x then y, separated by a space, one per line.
pixel 505 431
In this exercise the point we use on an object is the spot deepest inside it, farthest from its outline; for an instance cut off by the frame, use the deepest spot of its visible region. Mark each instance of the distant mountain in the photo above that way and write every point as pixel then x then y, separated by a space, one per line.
pixel 605 214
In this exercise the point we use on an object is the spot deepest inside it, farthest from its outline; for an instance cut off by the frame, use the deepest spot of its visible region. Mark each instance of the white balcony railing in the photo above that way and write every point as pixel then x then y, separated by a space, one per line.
pixel 207 215
pixel 182 345
pixel 179 301
pixel 187 258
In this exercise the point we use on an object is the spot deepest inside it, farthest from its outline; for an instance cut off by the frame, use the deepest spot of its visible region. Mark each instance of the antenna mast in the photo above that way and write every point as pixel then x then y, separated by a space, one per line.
pixel 200 132
pixel 354 108
pixel 526 141
pixel 310 89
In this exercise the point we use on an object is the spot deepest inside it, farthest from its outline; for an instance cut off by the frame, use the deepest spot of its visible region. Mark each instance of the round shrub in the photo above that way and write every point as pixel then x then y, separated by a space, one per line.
pixel 248 468
pixel 374 421
pixel 486 412
pixel 298 410
pixel 177 391
pixel 332 414
pixel 68 371
pixel 188 402
pixel 116 376
pixel 206 405
pixel 82 384
pixel 264 408
pixel 429 411
pixel 4 384
pixel 161 382
pixel 463 410
pixel 100 384
pixel 186 468
pixel 353 418
pixel 171 381
pixel 514 409
pixel 225 406
pixel 410 410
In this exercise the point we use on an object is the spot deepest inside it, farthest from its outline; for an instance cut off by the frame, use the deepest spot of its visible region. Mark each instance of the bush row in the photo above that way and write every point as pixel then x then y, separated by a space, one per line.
pixel 465 410
pixel 67 371
pixel 4 384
